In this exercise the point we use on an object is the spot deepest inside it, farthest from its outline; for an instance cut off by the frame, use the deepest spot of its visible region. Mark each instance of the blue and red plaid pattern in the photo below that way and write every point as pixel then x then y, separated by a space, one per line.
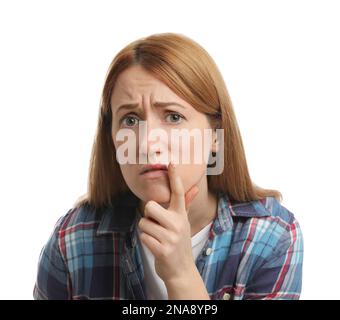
pixel 256 252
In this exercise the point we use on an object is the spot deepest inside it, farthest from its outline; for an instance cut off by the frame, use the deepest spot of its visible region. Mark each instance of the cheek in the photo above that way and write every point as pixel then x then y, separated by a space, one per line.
pixel 195 150
pixel 191 174
pixel 125 147
pixel 129 174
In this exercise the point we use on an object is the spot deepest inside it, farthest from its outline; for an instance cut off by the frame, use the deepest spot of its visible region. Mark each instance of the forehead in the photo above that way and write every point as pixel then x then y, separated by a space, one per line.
pixel 136 81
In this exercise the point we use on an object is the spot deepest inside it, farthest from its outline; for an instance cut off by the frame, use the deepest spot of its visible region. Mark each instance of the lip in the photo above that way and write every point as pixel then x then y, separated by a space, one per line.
pixel 150 167
pixel 154 171
pixel 154 174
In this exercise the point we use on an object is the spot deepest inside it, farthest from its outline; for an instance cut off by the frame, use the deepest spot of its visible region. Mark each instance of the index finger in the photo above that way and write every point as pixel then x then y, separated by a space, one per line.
pixel 177 199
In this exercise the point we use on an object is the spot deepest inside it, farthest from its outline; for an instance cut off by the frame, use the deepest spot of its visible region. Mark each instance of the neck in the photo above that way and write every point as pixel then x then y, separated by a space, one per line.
pixel 202 211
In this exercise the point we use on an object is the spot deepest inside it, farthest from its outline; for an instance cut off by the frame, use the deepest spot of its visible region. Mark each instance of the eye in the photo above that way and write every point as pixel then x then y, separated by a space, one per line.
pixel 129 121
pixel 175 117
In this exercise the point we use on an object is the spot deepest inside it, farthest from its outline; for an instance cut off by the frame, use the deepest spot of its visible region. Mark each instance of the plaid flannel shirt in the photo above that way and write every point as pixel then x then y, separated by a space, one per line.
pixel 254 251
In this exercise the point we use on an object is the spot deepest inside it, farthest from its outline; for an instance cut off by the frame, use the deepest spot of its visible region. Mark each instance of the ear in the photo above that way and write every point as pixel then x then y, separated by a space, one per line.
pixel 215 142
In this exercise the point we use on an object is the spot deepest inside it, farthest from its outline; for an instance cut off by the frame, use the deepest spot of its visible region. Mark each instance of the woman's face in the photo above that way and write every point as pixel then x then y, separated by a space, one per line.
pixel 136 86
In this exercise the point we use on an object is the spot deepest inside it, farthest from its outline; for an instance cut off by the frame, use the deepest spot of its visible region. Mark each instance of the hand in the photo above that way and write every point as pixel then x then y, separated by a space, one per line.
pixel 167 232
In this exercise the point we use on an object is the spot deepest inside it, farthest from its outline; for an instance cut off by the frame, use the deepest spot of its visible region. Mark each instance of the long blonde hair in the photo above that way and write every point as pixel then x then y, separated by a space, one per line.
pixel 188 70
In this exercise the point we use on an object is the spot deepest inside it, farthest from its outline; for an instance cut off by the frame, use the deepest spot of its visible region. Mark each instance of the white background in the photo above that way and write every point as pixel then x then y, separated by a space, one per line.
pixel 280 62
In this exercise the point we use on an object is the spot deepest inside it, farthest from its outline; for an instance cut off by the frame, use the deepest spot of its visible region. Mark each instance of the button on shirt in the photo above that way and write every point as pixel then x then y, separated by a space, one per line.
pixel 254 250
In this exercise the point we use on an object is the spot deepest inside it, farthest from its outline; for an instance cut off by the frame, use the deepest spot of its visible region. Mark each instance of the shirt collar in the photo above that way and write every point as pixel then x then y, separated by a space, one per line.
pixel 120 217
pixel 229 210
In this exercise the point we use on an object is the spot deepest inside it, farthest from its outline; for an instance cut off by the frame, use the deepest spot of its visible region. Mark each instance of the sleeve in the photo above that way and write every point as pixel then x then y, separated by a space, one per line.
pixel 280 276
pixel 52 282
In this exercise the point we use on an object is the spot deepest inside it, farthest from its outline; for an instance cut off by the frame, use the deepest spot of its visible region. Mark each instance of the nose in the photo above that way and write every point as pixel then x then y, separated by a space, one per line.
pixel 152 142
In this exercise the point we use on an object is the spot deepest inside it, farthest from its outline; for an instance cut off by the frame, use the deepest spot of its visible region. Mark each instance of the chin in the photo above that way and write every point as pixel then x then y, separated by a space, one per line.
pixel 160 194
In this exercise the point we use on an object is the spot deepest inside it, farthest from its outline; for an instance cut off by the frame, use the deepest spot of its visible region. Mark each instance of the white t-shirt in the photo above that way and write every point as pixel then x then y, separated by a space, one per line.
pixel 155 287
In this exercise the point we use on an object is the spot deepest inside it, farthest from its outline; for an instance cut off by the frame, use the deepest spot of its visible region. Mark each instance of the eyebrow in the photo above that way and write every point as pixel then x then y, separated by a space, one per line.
pixel 131 106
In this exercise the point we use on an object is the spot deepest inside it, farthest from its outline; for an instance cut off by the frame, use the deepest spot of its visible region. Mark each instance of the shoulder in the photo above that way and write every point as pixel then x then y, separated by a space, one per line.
pixel 268 208
pixel 275 212
pixel 266 223
pixel 283 229
pixel 283 221
pixel 78 218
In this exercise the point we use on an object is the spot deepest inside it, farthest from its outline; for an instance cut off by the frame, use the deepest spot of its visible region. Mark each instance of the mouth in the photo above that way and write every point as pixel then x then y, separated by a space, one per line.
pixel 154 169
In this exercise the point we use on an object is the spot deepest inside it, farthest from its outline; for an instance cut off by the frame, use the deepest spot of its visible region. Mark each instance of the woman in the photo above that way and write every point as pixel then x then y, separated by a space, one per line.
pixel 161 229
